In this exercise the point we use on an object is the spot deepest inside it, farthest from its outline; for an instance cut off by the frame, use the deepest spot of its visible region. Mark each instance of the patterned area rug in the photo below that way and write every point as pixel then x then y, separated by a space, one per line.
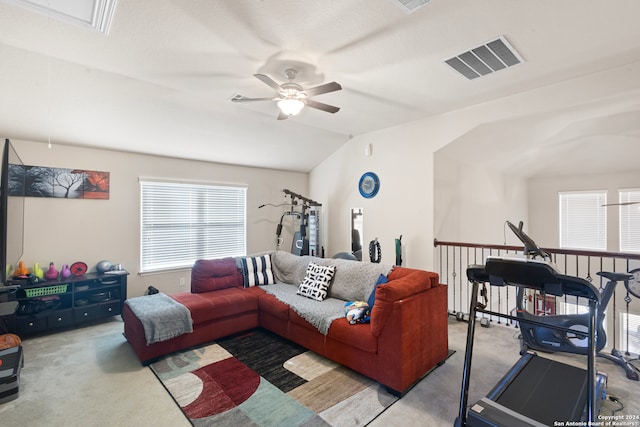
pixel 260 379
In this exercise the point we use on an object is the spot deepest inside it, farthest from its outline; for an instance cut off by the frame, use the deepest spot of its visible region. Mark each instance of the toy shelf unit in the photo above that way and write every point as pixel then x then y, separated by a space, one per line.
pixel 67 303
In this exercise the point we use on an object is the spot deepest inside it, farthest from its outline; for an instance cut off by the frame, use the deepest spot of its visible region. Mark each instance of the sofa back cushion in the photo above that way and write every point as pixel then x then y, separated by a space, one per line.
pixel 289 268
pixel 215 274
pixel 353 280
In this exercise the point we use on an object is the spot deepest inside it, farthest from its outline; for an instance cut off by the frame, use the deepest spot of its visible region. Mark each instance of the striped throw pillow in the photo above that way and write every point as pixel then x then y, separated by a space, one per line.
pixel 257 271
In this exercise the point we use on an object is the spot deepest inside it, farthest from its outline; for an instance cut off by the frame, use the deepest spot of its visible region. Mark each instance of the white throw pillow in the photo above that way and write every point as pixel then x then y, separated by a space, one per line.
pixel 316 281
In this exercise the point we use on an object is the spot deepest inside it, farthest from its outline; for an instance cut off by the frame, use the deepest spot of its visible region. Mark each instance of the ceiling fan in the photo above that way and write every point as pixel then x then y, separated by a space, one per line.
pixel 291 96
pixel 621 204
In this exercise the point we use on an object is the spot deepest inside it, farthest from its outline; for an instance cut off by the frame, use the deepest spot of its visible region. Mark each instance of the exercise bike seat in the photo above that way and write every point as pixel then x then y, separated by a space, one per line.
pixel 615 277
pixel 477 273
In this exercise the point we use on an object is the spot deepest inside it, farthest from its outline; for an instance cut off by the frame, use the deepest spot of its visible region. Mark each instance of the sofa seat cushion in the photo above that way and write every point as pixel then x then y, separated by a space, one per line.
pixel 271 305
pixel 215 305
pixel 299 320
pixel 358 335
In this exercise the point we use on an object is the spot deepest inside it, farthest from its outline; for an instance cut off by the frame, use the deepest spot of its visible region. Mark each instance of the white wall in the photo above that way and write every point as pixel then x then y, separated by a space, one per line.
pixel 544 228
pixel 544 209
pixel 403 157
pixel 65 231
pixel 68 230
pixel 473 202
pixel 459 176
pixel 403 206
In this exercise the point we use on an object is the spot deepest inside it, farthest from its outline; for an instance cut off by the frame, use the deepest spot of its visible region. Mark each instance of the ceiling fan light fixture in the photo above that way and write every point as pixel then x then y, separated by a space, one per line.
pixel 290 106
pixel 292 97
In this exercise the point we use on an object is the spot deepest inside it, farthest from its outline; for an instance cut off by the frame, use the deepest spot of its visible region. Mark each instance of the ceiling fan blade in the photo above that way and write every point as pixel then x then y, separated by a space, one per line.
pixel 241 98
pixel 621 204
pixel 320 106
pixel 268 81
pixel 325 88
pixel 282 116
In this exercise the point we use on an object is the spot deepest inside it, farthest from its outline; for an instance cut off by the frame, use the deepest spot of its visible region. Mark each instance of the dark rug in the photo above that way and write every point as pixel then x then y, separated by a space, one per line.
pixel 260 379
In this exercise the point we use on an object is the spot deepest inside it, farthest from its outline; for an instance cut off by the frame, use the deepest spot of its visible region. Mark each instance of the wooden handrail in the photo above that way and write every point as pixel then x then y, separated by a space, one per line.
pixel 603 254
pixel 437 242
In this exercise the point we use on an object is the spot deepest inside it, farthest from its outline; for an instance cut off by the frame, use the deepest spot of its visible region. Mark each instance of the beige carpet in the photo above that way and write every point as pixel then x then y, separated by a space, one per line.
pixel 90 377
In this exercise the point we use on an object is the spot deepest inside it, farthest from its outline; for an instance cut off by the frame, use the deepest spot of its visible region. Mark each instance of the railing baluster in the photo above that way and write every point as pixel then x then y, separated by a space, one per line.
pixel 453 285
pixel 452 270
pixel 462 272
pixel 627 299
pixel 615 312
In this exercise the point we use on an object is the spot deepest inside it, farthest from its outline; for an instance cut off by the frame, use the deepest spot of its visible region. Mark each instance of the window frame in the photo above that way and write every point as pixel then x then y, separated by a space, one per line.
pixel 599 216
pixel 629 220
pixel 193 210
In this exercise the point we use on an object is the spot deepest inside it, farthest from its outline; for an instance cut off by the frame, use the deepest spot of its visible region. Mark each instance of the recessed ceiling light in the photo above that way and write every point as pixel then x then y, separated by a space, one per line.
pixel 93 14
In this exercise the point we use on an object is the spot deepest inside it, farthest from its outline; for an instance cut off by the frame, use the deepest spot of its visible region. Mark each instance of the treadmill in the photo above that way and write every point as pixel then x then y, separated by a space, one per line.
pixel 536 391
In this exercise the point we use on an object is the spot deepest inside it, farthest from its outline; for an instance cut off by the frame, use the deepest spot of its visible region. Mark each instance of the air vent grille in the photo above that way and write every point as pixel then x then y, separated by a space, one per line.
pixel 410 6
pixel 486 59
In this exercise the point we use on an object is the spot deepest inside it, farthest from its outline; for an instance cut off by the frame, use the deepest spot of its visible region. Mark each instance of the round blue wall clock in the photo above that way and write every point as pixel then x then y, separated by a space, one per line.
pixel 369 185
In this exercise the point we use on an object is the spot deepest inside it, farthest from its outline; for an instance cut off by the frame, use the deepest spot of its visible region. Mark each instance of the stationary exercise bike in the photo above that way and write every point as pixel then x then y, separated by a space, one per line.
pixel 537 337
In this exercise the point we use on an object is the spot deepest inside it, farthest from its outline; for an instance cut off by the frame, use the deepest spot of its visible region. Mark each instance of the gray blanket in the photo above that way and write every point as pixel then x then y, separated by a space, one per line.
pixel 162 317
pixel 353 280
pixel 319 313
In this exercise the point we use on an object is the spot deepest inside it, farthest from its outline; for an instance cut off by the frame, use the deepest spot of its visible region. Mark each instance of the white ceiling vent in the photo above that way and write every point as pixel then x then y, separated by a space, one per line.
pixel 410 6
pixel 486 59
pixel 93 14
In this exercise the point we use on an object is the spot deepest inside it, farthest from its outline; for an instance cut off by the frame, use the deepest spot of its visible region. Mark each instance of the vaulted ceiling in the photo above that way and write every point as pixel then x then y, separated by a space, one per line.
pixel 160 81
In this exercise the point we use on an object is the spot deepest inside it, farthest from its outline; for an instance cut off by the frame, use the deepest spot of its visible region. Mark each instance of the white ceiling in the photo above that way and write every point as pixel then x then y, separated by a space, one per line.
pixel 161 80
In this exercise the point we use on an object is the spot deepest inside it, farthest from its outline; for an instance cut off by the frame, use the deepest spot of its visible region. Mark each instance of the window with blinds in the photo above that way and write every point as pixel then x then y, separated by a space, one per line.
pixel 583 220
pixel 183 222
pixel 630 335
pixel 629 220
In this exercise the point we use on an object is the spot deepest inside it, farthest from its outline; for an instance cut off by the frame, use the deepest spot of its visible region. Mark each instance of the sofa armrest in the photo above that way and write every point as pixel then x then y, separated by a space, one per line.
pixel 415 332
pixel 403 283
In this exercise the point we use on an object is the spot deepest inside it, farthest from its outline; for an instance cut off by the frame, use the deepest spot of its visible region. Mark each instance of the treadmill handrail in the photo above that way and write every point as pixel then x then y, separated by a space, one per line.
pixel 538 276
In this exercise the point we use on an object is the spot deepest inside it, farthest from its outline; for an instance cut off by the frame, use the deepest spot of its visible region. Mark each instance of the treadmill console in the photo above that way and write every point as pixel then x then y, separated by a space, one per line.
pixel 538 275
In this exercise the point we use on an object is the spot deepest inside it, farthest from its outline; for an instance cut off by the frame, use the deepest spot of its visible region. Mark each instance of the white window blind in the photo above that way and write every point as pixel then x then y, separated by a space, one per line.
pixel 630 331
pixel 184 222
pixel 629 221
pixel 583 220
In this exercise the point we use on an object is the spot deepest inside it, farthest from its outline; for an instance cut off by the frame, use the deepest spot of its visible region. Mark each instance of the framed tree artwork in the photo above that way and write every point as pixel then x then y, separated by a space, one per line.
pixel 42 181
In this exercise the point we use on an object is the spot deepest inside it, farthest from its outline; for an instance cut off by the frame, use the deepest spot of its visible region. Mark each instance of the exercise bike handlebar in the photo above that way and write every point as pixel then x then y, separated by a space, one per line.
pixel 530 247
pixel 615 277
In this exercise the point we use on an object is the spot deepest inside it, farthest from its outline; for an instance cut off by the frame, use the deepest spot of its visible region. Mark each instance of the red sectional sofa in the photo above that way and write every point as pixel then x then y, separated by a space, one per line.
pixel 405 339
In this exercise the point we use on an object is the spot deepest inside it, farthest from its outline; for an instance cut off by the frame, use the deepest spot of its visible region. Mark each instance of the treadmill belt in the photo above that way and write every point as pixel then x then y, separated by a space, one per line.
pixel 547 391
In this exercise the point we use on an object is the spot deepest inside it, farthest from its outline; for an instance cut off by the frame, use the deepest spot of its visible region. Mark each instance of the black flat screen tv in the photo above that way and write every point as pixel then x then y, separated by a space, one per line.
pixel 11 210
